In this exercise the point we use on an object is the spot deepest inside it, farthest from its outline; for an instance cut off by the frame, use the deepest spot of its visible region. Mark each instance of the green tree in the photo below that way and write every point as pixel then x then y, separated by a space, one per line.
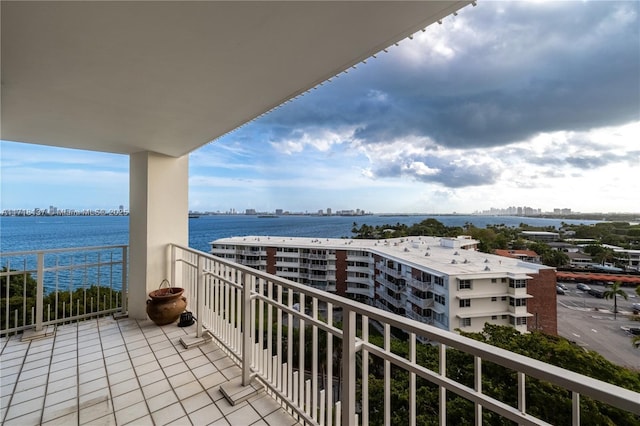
pixel 21 291
pixel 613 292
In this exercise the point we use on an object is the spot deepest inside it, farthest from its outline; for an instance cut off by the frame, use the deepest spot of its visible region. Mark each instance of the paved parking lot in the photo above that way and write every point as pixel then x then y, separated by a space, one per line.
pixel 590 322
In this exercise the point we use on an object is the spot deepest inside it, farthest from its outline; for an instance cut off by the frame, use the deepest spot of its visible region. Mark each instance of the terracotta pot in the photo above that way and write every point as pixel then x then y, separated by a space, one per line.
pixel 166 304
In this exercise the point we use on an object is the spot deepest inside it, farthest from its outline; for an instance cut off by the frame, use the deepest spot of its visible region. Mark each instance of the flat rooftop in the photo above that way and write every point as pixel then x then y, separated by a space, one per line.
pixel 424 252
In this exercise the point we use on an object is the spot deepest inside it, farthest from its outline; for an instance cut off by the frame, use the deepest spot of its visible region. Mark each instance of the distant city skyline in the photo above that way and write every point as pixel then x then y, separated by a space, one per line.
pixel 122 210
pixel 505 104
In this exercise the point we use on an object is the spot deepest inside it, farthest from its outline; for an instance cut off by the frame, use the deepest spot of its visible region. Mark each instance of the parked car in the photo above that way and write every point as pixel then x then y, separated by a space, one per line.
pixel 596 293
pixel 636 308
pixel 583 287
pixel 559 290
pixel 562 286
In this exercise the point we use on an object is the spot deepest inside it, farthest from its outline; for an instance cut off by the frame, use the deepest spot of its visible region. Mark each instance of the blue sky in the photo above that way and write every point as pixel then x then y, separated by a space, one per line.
pixel 506 104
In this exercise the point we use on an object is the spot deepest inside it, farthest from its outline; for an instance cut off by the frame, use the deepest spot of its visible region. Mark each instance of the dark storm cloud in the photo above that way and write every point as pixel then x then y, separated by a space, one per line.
pixel 517 69
pixel 448 172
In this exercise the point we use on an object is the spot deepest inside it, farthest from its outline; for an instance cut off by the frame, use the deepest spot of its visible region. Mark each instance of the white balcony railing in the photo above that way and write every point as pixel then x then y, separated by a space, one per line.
pixel 248 312
pixel 47 287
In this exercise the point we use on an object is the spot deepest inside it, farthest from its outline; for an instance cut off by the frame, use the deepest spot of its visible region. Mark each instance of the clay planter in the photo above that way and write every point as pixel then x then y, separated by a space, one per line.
pixel 166 305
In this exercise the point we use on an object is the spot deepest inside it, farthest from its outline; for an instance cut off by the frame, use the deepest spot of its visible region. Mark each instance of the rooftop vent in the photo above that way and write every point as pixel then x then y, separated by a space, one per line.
pixel 486 268
pixel 486 261
pixel 454 261
pixel 456 254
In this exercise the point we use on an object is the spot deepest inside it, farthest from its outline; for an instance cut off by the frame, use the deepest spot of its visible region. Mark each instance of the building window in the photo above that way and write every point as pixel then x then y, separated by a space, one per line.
pixel 504 280
pixel 518 320
pixel 494 317
pixel 465 322
pixel 504 316
pixel 439 299
pixel 518 283
pixel 439 281
pixel 503 298
pixel 494 299
pixel 494 280
pixel 464 285
pixel 465 303
pixel 517 302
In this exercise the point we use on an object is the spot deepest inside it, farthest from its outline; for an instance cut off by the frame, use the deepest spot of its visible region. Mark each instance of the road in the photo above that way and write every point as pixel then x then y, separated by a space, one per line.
pixel 590 323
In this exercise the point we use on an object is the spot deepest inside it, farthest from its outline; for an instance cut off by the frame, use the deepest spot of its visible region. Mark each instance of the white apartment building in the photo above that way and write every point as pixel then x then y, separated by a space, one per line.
pixel 444 282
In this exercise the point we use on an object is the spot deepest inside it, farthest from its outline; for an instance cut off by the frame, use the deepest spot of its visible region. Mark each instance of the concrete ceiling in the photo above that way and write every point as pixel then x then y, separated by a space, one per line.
pixel 170 76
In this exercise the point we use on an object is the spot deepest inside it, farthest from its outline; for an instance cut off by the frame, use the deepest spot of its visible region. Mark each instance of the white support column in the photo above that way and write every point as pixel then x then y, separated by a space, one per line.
pixel 158 215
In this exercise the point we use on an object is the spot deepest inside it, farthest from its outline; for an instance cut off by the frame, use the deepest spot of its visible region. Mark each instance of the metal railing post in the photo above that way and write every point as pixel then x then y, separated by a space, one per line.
pixel 246 327
pixel 200 296
pixel 125 279
pixel 348 391
pixel 40 292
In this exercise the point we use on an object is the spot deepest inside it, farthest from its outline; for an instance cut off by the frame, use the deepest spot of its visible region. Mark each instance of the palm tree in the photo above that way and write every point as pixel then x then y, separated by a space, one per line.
pixel 613 292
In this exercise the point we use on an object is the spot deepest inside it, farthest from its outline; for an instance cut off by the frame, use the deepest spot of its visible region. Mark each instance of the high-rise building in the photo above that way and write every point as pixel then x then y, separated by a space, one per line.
pixel 440 281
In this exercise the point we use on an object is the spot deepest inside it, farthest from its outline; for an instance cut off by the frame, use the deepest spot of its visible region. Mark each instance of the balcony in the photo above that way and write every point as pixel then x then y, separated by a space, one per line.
pixel 255 333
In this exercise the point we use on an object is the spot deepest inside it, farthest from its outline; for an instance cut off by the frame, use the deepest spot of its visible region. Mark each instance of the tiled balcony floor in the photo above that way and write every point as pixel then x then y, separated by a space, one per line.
pixel 107 372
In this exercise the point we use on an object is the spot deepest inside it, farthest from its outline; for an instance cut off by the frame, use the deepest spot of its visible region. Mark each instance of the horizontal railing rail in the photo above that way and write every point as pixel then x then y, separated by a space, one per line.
pixel 312 350
pixel 47 287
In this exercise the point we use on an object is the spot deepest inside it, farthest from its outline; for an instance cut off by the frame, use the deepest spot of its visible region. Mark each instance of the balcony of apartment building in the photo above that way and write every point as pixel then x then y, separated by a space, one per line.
pixel 420 301
pixel 87 367
pixel 73 76
pixel 418 284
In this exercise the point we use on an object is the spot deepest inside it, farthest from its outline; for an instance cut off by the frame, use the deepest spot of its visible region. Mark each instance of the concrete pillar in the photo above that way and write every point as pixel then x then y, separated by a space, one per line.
pixel 158 215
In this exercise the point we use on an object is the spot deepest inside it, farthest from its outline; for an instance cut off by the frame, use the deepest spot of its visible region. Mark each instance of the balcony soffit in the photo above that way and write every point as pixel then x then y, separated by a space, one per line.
pixel 171 76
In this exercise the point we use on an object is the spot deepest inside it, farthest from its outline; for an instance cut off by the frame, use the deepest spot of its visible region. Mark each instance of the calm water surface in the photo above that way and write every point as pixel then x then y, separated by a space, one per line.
pixel 37 233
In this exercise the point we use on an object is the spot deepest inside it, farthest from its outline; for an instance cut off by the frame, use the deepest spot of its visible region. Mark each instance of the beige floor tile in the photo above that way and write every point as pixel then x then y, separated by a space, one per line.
pixel 264 404
pixel 34 382
pixel 93 374
pixel 63 395
pixel 168 414
pixel 211 380
pixel 156 388
pixel 69 419
pixel 204 369
pixel 124 387
pixel 182 379
pixel 26 419
pixel 119 366
pixel 161 401
pixel 29 394
pixel 142 359
pixel 131 413
pixel 188 389
pixel 108 420
pixel 143 421
pixel 205 415
pixel 87 367
pixel 149 367
pixel 121 376
pixel 152 377
pixel 280 418
pixel 170 360
pixel 175 369
pixel 245 416
pixel 196 402
pixel 95 411
pixel 29 374
pixel 25 408
pixel 127 399
pixel 61 409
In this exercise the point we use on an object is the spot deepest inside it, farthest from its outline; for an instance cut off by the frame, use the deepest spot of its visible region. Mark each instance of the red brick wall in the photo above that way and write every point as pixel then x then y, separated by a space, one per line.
pixel 543 305
pixel 341 272
pixel 271 260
